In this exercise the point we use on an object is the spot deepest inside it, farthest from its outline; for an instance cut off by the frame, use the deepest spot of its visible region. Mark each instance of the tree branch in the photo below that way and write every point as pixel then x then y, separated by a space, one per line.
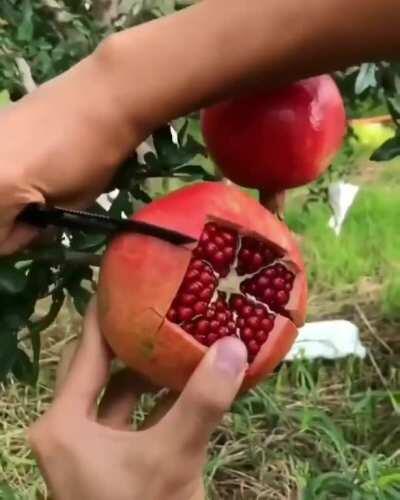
pixel 26 74
pixel 62 257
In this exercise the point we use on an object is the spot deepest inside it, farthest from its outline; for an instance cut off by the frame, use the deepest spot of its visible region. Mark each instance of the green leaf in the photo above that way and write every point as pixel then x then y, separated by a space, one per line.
pixel 88 242
pixel 8 352
pixel 12 280
pixel 4 98
pixel 122 204
pixel 141 195
pixel 196 171
pixel 389 150
pixel 81 298
pixel 366 78
pixel 6 493
pixel 25 28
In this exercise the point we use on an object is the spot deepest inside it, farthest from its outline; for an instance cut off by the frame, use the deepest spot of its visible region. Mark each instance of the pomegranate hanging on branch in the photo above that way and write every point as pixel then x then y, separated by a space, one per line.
pixel 274 141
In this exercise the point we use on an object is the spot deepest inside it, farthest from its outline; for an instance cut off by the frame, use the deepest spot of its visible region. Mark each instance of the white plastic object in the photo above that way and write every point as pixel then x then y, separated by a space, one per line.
pixel 327 340
pixel 341 198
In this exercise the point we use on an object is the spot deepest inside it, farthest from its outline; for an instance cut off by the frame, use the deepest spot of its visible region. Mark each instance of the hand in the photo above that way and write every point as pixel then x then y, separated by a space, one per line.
pixel 88 452
pixel 62 144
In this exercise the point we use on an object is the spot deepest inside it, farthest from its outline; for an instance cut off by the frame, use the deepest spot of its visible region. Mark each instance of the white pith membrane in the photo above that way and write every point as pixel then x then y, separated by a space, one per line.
pixel 235 284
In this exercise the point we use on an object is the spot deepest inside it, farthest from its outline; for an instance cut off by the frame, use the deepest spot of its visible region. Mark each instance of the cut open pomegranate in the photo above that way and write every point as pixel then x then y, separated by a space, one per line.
pixel 234 285
pixel 161 306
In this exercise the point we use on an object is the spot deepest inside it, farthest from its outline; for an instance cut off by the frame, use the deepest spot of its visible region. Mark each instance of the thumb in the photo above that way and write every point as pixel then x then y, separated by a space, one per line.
pixel 206 397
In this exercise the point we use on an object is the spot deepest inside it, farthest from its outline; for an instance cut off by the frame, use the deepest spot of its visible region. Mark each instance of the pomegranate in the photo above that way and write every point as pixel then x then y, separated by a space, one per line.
pixel 277 140
pixel 161 306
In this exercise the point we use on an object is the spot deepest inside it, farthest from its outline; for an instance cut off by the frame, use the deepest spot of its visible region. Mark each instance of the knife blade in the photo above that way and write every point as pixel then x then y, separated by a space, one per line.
pixel 42 216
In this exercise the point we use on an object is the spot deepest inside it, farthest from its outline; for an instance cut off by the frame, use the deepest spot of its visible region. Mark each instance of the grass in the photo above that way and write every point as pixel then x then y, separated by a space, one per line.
pixel 322 430
pixel 368 247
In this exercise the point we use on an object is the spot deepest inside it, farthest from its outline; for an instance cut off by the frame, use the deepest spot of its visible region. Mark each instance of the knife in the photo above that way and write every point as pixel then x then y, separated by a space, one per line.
pixel 42 216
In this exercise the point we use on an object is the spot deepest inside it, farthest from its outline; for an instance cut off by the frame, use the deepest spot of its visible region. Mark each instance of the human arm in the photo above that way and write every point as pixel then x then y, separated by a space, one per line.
pixel 63 142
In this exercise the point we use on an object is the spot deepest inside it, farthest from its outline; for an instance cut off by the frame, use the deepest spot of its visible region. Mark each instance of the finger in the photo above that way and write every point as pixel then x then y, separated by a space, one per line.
pixel 89 369
pixel 67 356
pixel 120 399
pixel 208 394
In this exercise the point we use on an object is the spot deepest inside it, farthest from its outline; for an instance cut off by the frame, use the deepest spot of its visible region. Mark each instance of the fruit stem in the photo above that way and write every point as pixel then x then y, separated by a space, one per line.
pixel 274 202
pixel 220 177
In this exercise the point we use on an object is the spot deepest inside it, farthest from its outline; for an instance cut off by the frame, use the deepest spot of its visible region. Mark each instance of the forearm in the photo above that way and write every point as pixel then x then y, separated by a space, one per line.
pixel 177 64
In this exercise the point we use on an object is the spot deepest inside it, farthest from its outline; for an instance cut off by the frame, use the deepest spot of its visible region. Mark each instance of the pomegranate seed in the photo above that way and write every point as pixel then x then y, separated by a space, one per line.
pixel 194 287
pixel 268 255
pixel 282 297
pixel 228 253
pixel 228 237
pixel 271 273
pixel 253 322
pixel 204 237
pixel 289 276
pixel 198 252
pixel 211 228
pixel 185 313
pixel 257 260
pixel 172 315
pixel 219 241
pixel 189 327
pixel 223 331
pixel 219 259
pixel 206 294
pixel 206 278
pixel 288 286
pixel 281 270
pixel 221 317
pixel 245 255
pixel 238 303
pixel 200 307
pixel 267 325
pixel 259 311
pixel 211 248
pixel 203 327
pixel 279 283
pixel 210 314
pixel 187 299
pixel 261 337
pixel 214 325
pixel 212 337
pixel 192 275
pixel 247 334
pixel 268 294
pixel 197 264
pixel 219 305
pixel 253 347
pixel 246 311
pixel 200 338
pixel 231 326
pixel 262 283
pixel 241 322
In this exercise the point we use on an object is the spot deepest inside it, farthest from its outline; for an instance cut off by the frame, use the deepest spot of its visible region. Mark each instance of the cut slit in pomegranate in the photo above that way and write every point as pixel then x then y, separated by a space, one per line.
pixel 234 286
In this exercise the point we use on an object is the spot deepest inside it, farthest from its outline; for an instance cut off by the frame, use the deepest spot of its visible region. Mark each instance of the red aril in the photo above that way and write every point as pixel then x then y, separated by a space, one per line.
pixel 161 306
pixel 277 140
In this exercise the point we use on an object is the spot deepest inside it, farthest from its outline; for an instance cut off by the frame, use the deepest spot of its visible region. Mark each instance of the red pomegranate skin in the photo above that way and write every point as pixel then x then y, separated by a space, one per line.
pixel 141 276
pixel 277 140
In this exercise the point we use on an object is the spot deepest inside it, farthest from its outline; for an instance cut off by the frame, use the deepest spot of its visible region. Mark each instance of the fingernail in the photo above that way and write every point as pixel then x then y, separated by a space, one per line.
pixel 231 357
